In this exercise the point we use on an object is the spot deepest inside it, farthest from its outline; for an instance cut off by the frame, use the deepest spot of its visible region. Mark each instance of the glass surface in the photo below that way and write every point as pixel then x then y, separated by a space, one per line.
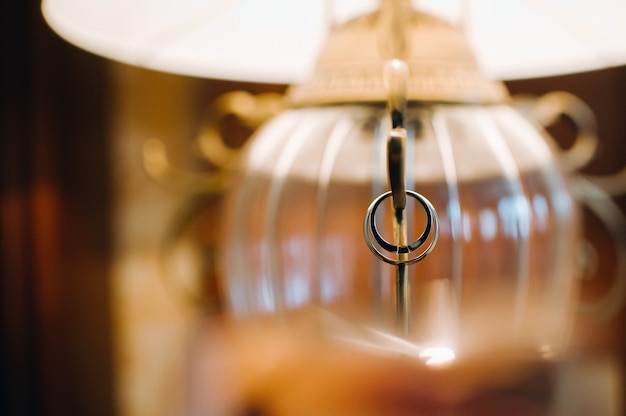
pixel 501 276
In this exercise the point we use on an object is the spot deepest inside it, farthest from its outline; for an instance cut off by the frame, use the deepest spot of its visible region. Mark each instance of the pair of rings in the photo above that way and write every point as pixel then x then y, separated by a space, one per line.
pixel 377 243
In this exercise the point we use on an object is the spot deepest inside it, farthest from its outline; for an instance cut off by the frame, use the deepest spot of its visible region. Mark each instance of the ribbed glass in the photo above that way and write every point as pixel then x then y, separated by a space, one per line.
pixel 503 269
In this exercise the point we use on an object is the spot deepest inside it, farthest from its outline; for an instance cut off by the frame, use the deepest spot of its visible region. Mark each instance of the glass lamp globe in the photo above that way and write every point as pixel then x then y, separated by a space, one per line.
pixel 503 272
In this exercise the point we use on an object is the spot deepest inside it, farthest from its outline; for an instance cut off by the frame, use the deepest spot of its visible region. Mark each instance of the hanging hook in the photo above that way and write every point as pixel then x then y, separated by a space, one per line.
pixel 396 75
pixel 396 78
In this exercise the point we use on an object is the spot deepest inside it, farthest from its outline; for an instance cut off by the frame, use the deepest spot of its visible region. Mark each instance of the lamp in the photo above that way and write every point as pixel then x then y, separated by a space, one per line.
pixel 278 40
pixel 494 203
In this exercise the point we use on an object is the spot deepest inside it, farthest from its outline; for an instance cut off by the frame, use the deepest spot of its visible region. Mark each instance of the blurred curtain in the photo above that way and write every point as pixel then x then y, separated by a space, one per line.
pixel 54 222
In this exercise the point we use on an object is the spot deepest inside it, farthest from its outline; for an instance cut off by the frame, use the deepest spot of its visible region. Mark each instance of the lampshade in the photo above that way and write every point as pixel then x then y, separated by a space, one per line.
pixel 277 41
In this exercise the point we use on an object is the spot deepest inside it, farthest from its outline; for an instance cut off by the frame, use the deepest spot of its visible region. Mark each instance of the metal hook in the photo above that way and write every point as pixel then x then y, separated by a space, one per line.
pixel 396 145
pixel 396 74
pixel 396 78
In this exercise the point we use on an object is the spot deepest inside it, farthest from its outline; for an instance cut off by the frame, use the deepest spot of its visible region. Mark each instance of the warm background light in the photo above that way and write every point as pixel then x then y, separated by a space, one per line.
pixel 115 340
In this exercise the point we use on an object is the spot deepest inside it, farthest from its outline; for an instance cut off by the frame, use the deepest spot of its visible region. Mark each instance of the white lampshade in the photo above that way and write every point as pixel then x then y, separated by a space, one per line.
pixel 277 41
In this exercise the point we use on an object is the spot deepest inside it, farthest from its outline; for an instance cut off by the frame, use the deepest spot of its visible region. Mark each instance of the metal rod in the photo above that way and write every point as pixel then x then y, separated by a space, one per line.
pixel 403 285
pixel 396 145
